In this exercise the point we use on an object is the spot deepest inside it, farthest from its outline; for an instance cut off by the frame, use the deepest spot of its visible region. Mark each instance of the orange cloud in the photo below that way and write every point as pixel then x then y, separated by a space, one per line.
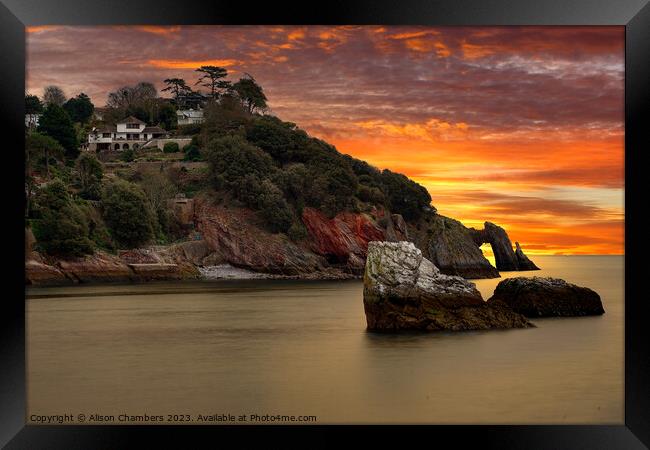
pixel 472 51
pixel 41 28
pixel 160 30
pixel 531 138
pixel 432 129
pixel 190 64
pixel 426 45
pixel 296 35
pixel 413 34
pixel 331 39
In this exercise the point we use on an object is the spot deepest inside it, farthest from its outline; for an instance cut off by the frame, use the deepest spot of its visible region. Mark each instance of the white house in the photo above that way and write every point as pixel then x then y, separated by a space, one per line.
pixel 128 133
pixel 189 116
pixel 31 120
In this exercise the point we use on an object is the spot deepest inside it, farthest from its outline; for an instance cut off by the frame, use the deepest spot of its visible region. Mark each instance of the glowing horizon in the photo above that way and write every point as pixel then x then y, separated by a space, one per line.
pixel 520 126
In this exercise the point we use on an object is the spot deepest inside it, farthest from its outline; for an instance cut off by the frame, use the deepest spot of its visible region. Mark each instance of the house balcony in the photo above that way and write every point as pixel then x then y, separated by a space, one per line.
pixel 129 139
pixel 99 140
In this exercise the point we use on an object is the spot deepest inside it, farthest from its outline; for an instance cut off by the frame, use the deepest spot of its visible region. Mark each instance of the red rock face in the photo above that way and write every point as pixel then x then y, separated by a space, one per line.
pixel 342 236
pixel 232 234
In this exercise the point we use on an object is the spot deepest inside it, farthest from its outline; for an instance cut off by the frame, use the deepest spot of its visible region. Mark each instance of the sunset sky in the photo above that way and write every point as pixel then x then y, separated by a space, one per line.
pixel 521 126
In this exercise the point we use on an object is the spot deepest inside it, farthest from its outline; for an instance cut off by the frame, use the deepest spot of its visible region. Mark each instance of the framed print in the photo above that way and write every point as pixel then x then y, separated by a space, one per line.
pixel 245 223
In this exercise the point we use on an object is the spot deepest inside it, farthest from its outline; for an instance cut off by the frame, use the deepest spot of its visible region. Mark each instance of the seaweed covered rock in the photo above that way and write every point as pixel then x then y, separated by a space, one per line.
pixel 546 297
pixel 405 291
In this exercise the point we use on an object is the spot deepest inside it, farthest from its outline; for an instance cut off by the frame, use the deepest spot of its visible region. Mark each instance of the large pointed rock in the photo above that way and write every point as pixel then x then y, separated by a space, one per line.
pixel 523 262
pixel 451 247
pixel 405 291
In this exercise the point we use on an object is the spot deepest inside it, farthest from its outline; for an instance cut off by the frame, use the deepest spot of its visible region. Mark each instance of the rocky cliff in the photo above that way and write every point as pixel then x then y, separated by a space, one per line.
pixel 505 257
pixel 333 247
pixel 451 247
pixel 405 291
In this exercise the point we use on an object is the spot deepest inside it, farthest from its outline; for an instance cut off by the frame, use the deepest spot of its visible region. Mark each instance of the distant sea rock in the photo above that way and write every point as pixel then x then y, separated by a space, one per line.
pixel 449 245
pixel 405 291
pixel 546 297
pixel 505 257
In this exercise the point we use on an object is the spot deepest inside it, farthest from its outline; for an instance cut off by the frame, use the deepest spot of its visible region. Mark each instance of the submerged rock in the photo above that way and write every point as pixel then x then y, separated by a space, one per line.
pixel 405 291
pixel 546 297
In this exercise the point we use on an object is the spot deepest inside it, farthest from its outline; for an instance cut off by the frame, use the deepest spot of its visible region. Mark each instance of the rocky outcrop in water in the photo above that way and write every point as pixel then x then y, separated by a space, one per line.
pixel 546 297
pixel 505 257
pixel 161 263
pixel 37 272
pixel 523 263
pixel 451 247
pixel 405 291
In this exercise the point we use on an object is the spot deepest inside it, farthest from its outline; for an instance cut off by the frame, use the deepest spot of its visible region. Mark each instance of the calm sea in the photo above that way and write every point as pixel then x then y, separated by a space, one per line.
pixel 268 347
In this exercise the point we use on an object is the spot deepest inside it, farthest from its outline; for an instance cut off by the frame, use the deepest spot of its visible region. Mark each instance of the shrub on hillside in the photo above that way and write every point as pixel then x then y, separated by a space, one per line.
pixel 89 175
pixel 191 152
pixel 171 147
pixel 274 209
pixel 61 228
pixel 128 214
pixel 127 155
pixel 189 129
pixel 231 159
pixel 403 195
pixel 282 140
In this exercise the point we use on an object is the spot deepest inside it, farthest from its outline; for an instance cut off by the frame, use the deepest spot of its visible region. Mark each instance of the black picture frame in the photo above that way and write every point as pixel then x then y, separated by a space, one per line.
pixel 633 14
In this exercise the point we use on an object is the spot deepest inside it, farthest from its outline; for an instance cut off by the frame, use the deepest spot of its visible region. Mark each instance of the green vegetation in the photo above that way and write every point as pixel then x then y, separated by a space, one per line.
pixel 79 108
pixel 253 160
pixel 56 123
pixel 33 105
pixel 128 214
pixel 250 93
pixel 171 147
pixel 191 151
pixel 90 173
pixel 61 228
pixel 128 155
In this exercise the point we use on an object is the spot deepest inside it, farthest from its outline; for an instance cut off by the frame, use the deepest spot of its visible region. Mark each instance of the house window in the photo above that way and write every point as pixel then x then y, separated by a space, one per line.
pixel 133 126
pixel 106 135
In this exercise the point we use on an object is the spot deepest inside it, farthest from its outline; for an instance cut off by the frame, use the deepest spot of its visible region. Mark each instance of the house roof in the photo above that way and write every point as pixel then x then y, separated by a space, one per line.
pixel 106 129
pixel 153 130
pixel 132 119
pixel 196 113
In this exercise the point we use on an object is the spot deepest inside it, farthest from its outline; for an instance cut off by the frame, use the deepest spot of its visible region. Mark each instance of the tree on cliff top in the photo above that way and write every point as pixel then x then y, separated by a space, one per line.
pixel 213 77
pixel 33 104
pixel 128 214
pixel 251 93
pixel 53 95
pixel 80 108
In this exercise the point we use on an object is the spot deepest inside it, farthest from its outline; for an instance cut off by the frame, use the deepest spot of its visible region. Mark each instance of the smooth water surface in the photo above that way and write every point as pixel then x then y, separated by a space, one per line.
pixel 301 348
